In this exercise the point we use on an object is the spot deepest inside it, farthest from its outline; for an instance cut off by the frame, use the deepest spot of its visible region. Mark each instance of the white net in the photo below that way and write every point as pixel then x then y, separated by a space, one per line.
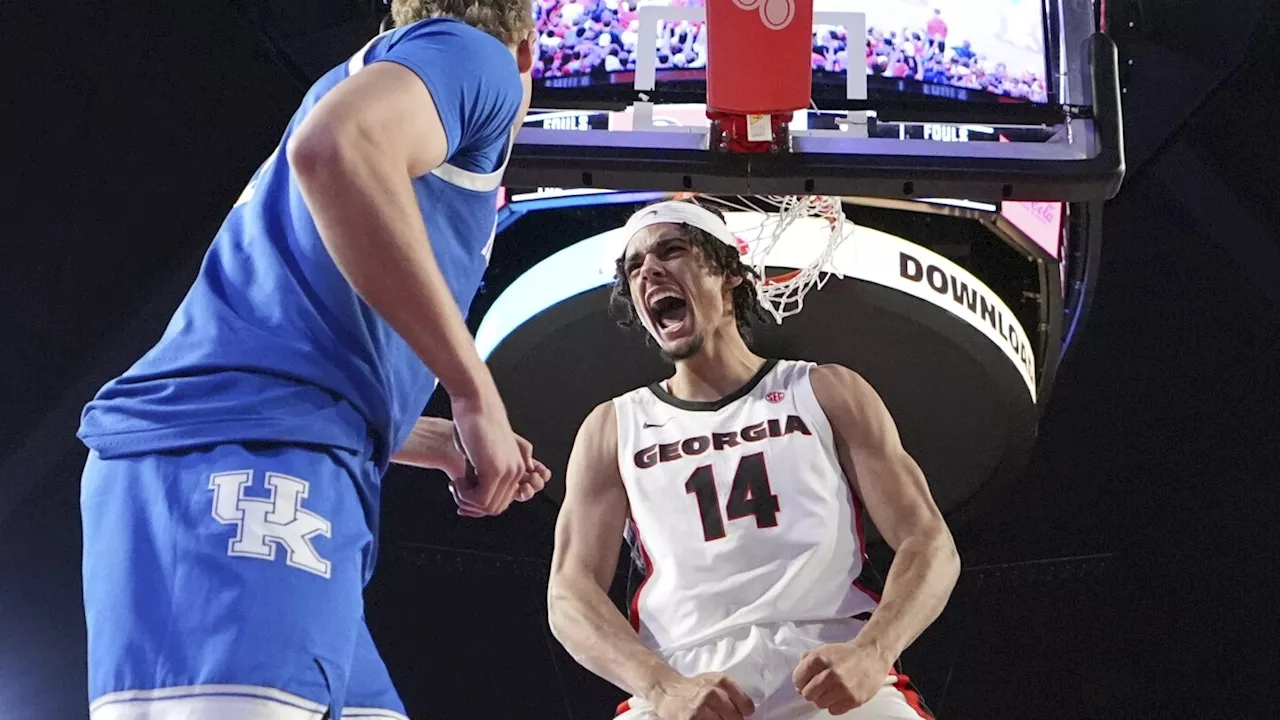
pixel 783 295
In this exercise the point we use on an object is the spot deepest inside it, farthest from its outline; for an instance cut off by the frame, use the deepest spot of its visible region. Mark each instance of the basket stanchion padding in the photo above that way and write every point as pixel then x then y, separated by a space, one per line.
pixel 759 55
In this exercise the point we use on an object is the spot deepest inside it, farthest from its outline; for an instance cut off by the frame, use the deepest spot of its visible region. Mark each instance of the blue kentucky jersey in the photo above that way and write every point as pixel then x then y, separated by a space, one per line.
pixel 271 343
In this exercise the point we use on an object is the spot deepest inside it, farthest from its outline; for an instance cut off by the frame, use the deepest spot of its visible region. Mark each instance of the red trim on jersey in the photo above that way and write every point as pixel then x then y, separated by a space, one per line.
pixel 634 614
pixel 903 685
pixel 862 543
pixel 857 521
pixel 624 706
pixel 857 583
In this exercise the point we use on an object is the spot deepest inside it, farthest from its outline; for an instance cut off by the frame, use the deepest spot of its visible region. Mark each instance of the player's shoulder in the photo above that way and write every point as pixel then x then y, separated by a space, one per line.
pixel 834 372
pixel 597 440
pixel 602 420
pixel 639 402
pixel 834 383
pixel 473 44
pixel 791 371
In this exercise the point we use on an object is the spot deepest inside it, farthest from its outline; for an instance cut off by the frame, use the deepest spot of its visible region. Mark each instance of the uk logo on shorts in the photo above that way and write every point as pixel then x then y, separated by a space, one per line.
pixel 262 525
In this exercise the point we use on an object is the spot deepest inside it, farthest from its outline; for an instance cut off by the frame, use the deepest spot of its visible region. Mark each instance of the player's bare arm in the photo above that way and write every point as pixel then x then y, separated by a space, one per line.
pixel 588 538
pixel 581 615
pixel 432 445
pixel 925 566
pixel 353 157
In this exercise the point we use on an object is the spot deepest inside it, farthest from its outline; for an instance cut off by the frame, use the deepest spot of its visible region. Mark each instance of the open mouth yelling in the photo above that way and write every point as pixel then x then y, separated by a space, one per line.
pixel 670 313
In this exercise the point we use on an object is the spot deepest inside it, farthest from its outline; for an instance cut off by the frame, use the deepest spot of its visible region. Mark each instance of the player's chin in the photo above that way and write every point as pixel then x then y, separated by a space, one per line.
pixel 681 348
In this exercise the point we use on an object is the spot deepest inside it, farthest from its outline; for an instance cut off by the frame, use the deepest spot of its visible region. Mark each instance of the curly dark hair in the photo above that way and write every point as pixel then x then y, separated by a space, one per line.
pixel 724 261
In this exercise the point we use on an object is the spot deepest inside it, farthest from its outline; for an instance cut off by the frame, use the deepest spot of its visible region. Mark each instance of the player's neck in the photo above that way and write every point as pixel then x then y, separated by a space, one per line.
pixel 723 365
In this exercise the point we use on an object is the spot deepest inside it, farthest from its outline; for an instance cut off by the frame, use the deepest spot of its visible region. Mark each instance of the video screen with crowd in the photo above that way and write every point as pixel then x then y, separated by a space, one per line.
pixel 996 46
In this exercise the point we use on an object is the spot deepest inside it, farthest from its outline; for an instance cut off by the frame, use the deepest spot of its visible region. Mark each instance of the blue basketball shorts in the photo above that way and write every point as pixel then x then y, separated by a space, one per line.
pixel 227 582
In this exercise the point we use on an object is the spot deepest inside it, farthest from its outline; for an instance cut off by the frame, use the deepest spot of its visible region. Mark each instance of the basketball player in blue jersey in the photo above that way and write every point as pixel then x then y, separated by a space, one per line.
pixel 741 482
pixel 230 498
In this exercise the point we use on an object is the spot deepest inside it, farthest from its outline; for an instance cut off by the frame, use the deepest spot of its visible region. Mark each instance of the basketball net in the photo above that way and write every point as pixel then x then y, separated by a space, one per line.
pixel 782 295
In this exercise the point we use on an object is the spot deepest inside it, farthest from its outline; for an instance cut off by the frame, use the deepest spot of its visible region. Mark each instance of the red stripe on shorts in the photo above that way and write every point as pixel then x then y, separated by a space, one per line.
pixel 903 685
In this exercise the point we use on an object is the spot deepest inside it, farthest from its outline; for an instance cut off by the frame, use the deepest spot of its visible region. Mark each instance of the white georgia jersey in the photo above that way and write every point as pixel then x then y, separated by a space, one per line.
pixel 739 509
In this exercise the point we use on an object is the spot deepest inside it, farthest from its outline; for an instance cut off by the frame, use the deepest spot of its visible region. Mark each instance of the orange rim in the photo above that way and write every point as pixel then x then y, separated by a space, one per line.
pixel 777 279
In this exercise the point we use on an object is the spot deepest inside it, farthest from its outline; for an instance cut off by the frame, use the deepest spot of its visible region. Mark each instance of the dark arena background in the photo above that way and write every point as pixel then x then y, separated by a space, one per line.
pixel 1119 540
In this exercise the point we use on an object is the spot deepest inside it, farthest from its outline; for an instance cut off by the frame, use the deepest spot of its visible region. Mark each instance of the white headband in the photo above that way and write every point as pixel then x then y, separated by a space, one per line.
pixel 681 212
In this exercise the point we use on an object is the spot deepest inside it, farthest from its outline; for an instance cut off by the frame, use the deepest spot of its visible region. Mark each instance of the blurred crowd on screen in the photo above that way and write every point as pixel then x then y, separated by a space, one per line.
pixel 585 37
pixel 598 37
pixel 923 53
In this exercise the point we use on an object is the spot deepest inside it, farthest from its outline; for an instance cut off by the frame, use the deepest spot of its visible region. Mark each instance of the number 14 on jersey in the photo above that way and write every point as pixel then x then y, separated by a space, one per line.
pixel 750 495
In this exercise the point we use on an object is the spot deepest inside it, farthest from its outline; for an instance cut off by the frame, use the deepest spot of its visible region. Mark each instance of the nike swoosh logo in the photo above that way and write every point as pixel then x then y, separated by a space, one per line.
pixel 649 425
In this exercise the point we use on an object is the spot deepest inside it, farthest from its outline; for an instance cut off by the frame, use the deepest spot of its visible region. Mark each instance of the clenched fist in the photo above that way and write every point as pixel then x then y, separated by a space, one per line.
pixel 840 677
pixel 709 696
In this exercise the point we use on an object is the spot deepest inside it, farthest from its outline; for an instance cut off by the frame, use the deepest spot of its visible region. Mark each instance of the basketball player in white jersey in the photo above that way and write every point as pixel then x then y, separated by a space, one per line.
pixel 742 481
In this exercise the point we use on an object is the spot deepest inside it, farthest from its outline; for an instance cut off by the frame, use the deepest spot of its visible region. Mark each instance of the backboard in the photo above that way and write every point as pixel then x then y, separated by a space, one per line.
pixel 981 99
